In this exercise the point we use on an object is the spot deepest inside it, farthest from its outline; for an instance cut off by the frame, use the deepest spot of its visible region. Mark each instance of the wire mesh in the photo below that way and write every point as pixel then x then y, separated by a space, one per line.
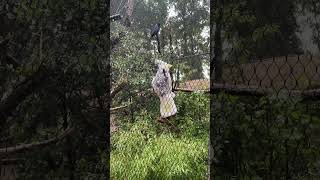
pixel 266 119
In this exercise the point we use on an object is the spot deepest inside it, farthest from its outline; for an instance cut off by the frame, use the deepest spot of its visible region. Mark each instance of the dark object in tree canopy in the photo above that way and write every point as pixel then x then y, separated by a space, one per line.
pixel 155 32
pixel 155 29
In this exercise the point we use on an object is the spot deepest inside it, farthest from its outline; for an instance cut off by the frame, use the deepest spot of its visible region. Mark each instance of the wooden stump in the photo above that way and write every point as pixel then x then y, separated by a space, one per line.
pixel 8 172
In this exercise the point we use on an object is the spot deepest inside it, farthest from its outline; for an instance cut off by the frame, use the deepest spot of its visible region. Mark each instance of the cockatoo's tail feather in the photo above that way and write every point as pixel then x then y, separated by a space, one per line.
pixel 167 105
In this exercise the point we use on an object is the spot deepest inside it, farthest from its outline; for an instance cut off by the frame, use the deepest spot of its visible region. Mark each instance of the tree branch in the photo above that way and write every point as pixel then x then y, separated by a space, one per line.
pixel 115 109
pixel 11 161
pixel 34 145
pixel 118 88
pixel 115 17
pixel 28 86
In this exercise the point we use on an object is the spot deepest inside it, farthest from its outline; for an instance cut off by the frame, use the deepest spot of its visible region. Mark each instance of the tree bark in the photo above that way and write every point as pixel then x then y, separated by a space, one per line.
pixel 217 49
pixel 215 73
pixel 117 89
pixel 24 147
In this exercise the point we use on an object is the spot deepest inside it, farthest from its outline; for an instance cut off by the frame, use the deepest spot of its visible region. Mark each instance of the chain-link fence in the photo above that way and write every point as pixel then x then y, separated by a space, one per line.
pixel 266 119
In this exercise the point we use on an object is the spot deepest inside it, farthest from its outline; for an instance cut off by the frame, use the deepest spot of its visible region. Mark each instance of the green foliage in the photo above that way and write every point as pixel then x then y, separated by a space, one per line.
pixel 131 60
pixel 193 113
pixel 150 12
pixel 64 45
pixel 186 30
pixel 270 136
pixel 260 28
pixel 148 156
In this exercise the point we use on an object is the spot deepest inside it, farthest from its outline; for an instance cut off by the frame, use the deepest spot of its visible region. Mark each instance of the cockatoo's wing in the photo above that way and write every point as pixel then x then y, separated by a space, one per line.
pixel 162 80
pixel 155 86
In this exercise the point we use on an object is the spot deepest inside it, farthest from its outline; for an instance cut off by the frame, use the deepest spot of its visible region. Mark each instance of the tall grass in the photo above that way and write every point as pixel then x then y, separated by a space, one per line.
pixel 145 150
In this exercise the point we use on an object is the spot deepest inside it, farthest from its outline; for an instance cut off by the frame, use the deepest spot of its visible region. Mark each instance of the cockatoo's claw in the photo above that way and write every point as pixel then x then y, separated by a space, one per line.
pixel 161 120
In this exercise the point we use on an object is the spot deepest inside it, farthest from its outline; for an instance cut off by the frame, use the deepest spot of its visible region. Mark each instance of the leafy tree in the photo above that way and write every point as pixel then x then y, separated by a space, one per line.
pixel 259 29
pixel 56 72
pixel 186 30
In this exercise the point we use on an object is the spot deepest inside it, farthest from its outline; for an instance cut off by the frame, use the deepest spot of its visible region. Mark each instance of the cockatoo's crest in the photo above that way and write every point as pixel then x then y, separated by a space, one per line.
pixel 163 64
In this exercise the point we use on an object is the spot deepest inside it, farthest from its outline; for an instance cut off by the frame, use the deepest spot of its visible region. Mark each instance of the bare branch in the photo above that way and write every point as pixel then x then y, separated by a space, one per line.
pixel 11 161
pixel 118 88
pixel 115 17
pixel 190 56
pixel 34 145
pixel 115 109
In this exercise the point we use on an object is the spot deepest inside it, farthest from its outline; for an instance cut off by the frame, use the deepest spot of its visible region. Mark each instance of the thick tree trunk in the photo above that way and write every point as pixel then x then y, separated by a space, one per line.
pixel 106 134
pixel 217 51
pixel 215 74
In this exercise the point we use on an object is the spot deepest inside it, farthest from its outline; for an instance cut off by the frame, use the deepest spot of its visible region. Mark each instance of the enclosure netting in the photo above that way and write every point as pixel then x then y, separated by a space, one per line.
pixel 265 118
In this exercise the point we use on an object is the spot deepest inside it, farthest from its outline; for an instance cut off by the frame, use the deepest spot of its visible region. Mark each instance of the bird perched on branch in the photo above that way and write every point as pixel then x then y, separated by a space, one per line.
pixel 162 85
pixel 155 32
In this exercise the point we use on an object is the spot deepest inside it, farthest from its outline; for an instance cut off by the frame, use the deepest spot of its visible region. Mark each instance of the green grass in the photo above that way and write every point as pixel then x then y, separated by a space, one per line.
pixel 148 155
pixel 147 150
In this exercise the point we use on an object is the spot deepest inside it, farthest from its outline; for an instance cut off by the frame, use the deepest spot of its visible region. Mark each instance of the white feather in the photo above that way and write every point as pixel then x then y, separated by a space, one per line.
pixel 162 85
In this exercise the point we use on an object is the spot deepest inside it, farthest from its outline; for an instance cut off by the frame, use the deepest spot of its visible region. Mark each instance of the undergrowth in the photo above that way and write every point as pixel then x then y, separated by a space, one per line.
pixel 147 150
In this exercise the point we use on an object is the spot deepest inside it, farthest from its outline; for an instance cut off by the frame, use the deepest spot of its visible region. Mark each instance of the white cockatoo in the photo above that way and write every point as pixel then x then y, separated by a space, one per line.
pixel 162 85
